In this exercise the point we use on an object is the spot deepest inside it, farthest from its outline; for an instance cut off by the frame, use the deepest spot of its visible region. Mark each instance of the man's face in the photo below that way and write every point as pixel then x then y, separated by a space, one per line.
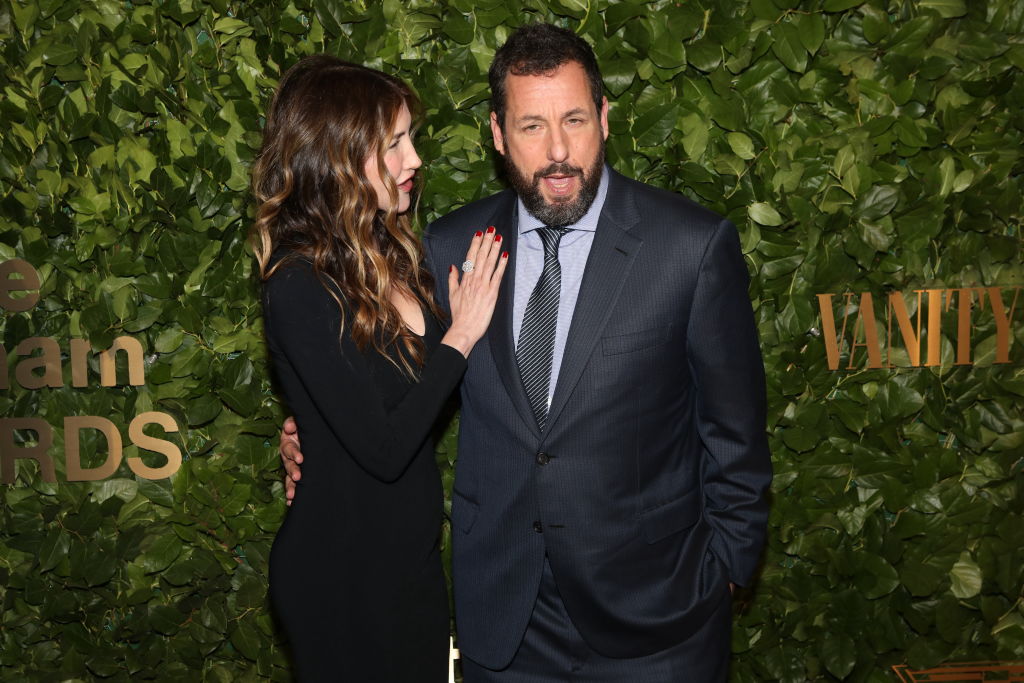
pixel 553 143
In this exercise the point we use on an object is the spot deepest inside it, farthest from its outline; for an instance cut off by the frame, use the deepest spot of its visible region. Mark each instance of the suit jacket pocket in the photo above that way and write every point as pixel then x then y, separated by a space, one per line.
pixel 464 512
pixel 671 517
pixel 634 341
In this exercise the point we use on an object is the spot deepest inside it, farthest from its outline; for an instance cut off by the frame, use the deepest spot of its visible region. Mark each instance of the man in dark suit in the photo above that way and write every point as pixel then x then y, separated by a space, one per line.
pixel 613 466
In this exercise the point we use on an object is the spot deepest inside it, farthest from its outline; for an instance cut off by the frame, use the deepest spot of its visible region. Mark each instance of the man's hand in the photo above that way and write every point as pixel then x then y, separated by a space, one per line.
pixel 291 456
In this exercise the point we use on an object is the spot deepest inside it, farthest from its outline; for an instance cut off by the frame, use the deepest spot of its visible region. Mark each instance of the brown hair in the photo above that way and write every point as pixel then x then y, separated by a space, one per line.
pixel 326 119
pixel 539 49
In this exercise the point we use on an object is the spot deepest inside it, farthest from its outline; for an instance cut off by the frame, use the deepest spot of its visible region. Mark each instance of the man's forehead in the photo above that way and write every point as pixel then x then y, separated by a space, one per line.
pixel 563 86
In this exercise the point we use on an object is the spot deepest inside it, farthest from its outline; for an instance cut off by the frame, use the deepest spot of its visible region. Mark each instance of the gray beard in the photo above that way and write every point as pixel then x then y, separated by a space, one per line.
pixel 557 214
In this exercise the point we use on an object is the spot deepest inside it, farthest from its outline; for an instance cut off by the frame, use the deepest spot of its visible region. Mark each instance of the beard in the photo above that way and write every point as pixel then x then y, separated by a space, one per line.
pixel 562 211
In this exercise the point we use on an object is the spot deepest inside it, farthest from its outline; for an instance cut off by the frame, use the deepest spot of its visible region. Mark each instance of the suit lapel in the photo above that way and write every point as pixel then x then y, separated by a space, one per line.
pixel 611 257
pixel 499 334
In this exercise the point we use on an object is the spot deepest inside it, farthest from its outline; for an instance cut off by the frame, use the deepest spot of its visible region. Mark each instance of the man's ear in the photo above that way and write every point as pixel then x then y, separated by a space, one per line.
pixel 604 117
pixel 499 137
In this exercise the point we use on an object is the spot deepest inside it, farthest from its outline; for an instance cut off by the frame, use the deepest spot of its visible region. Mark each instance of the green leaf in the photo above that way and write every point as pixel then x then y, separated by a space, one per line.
pixel 53 550
pixel 897 401
pixel 742 146
pixel 60 53
pixel 840 5
pixel 921 578
pixel 654 126
pixel 910 133
pixel 229 25
pixel 812 31
pixel 458 29
pixel 203 409
pixel 618 76
pixel 965 577
pixel 782 266
pixel 947 170
pixel 101 569
pixel 764 213
pixel 963 180
pixel 799 439
pixel 157 491
pixel 619 13
pixel 876 577
pixel 695 135
pixel 168 340
pixel 247 640
pixel 788 46
pixel 668 51
pixel 165 619
pixel 876 26
pixel 947 9
pixel 878 201
pixel 838 653
pixel 160 555
pixel 241 400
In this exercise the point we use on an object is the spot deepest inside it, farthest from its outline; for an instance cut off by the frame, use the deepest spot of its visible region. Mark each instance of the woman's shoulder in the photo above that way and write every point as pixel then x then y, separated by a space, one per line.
pixel 293 281
pixel 288 269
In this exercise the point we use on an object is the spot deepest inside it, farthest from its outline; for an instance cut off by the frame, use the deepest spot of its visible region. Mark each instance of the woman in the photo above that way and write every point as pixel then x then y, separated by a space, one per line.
pixel 352 333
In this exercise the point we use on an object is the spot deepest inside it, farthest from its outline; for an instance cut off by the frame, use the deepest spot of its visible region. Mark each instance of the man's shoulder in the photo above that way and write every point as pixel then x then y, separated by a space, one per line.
pixel 476 215
pixel 657 201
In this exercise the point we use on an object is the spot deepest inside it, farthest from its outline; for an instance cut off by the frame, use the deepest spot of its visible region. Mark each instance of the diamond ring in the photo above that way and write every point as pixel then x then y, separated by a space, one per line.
pixel 467 266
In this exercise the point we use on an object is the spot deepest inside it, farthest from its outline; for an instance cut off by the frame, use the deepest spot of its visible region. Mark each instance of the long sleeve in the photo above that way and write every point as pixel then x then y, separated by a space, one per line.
pixel 302 326
pixel 726 360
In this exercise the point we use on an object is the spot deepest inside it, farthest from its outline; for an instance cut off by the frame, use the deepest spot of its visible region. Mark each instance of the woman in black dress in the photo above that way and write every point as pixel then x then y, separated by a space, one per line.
pixel 353 336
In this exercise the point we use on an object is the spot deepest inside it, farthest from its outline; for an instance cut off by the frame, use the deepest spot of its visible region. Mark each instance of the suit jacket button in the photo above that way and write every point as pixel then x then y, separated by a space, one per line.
pixel 543 458
pixel 537 527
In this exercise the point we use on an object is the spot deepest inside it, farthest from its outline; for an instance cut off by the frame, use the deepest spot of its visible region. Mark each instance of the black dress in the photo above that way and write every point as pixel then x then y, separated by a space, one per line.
pixel 355 572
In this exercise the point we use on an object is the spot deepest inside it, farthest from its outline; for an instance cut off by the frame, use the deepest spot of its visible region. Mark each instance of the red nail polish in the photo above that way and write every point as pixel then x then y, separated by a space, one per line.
pixel 451 269
pixel 497 238
pixel 478 234
pixel 504 254
pixel 490 230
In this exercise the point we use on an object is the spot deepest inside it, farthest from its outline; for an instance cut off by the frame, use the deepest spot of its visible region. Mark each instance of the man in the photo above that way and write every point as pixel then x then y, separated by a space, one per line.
pixel 613 466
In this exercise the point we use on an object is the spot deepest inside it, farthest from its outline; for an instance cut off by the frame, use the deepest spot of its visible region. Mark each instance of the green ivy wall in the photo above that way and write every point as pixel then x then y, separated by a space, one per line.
pixel 860 146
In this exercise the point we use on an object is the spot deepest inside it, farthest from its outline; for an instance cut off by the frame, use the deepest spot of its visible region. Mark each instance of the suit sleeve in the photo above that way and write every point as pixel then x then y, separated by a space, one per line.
pixel 437 268
pixel 725 357
pixel 302 324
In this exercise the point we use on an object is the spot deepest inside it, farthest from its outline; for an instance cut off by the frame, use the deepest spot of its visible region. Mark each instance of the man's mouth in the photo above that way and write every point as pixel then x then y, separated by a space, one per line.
pixel 561 184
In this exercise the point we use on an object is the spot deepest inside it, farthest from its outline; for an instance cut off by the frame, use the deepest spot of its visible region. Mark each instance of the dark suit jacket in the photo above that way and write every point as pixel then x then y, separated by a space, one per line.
pixel 648 489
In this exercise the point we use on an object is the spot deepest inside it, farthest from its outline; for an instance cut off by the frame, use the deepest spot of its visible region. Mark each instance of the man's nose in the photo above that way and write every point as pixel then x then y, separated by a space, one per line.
pixel 558 145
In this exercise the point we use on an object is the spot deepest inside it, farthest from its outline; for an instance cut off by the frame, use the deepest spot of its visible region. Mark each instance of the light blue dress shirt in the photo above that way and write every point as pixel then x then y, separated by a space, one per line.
pixel 573 251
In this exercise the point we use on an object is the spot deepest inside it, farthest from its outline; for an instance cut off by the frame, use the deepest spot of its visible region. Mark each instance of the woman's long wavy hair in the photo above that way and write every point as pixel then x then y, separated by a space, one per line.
pixel 314 200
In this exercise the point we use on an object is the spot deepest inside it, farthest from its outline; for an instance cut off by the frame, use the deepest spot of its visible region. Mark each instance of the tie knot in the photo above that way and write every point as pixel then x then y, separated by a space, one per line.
pixel 551 237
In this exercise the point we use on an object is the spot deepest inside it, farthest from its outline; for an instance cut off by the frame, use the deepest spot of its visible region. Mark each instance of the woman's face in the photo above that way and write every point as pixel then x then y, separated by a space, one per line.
pixel 401 160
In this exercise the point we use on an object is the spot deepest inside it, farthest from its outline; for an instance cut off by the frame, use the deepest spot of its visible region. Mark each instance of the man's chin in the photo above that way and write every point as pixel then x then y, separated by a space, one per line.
pixel 561 199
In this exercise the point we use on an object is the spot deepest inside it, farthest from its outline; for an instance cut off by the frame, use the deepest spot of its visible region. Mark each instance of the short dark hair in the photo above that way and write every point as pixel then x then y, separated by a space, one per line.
pixel 537 49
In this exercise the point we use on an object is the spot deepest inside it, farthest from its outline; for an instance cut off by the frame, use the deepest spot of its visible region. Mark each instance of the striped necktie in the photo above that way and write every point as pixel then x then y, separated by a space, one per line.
pixel 537 335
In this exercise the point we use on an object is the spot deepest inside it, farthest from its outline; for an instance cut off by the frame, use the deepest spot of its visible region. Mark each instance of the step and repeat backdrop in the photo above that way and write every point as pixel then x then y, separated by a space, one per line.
pixel 869 152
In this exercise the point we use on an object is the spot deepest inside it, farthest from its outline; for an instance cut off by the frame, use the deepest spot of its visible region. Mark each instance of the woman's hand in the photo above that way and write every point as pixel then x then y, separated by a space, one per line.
pixel 472 299
pixel 291 457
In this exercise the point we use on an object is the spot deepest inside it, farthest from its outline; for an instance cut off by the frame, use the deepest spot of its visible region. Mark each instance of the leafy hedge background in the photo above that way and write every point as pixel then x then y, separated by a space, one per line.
pixel 859 145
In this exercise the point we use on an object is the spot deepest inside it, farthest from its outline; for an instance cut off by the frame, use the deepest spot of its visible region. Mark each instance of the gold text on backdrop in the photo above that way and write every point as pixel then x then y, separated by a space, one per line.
pixel 41 366
pixel 912 332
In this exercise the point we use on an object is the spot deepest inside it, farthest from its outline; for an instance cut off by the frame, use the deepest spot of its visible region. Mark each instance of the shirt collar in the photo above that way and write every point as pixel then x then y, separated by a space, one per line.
pixel 589 221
